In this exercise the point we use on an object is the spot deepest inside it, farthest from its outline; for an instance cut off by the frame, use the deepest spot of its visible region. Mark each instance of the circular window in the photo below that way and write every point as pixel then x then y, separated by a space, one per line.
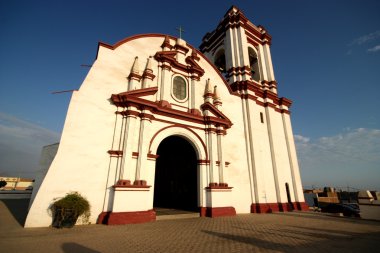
pixel 179 88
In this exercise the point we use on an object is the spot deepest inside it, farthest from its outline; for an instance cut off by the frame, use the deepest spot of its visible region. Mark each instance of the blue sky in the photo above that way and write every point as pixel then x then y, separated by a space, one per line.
pixel 326 57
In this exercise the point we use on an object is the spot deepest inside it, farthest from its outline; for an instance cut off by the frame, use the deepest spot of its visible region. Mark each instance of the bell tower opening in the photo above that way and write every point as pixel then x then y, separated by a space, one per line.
pixel 254 64
pixel 220 61
pixel 175 185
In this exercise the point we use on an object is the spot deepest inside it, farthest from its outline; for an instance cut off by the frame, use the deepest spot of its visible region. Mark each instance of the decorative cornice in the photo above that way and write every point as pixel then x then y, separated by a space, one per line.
pixel 140 92
pixel 169 57
pixel 125 100
pixel 249 85
pixel 234 18
pixel 216 112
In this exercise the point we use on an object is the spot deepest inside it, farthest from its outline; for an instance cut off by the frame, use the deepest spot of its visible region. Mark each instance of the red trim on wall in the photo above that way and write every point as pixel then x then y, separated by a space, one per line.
pixel 203 161
pixel 141 92
pixel 216 112
pixel 301 206
pixel 122 182
pixel 169 57
pixel 214 212
pixel 120 218
pixel 152 156
pixel 128 100
pixel 236 19
pixel 285 101
pixel 134 76
pixel 137 184
pixel 218 186
pixel 195 112
pixel 270 207
pixel 115 152
pixel 258 92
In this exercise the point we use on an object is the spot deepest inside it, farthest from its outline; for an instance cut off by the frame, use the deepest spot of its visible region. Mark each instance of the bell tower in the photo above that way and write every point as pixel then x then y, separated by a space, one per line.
pixel 241 50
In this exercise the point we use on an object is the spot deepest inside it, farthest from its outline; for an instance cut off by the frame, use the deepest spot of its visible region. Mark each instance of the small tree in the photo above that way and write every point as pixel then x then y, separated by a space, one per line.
pixel 2 183
pixel 67 210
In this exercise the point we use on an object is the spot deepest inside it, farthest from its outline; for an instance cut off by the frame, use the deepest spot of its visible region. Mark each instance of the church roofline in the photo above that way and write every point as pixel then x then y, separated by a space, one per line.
pixel 231 88
pixel 160 35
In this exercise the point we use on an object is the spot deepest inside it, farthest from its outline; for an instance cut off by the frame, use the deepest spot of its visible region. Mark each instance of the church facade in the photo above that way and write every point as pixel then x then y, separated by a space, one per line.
pixel 158 123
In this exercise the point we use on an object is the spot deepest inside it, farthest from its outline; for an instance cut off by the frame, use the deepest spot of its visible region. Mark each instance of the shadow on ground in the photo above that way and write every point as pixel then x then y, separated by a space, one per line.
pixel 72 247
pixel 18 208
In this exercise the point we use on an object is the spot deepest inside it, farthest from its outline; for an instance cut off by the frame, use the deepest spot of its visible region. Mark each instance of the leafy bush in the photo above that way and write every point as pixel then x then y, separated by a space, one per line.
pixel 67 210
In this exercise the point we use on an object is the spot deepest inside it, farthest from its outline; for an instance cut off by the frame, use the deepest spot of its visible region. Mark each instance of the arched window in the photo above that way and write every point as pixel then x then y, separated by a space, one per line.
pixel 220 61
pixel 179 88
pixel 254 64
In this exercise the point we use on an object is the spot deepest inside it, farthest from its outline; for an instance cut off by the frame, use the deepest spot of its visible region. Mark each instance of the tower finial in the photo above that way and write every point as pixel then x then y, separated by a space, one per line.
pixel 217 100
pixel 208 89
pixel 135 67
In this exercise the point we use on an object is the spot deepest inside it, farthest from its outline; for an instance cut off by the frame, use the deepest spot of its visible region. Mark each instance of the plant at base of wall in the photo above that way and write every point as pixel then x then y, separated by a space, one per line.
pixel 66 210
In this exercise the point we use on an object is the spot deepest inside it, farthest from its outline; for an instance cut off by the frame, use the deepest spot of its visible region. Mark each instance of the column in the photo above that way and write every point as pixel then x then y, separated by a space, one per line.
pixel 131 115
pixel 269 64
pixel 248 150
pixel 142 157
pixel 273 155
pixel 209 143
pixel 219 136
pixel 165 80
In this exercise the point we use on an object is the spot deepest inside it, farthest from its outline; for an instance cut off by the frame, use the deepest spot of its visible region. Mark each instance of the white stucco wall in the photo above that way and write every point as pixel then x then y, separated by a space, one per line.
pixel 92 128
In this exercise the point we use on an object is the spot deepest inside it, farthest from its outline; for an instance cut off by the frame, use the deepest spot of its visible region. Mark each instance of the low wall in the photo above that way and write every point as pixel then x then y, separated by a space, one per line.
pixel 15 194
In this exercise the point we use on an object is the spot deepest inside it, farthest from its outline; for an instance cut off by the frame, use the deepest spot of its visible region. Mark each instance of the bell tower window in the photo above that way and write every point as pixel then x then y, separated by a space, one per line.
pixel 220 61
pixel 179 88
pixel 254 64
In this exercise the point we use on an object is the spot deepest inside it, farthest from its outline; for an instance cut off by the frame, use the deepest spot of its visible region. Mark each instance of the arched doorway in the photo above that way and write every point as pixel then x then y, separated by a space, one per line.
pixel 175 184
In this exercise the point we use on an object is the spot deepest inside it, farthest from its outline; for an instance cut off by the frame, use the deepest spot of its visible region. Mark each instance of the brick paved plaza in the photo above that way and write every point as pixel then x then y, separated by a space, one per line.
pixel 282 232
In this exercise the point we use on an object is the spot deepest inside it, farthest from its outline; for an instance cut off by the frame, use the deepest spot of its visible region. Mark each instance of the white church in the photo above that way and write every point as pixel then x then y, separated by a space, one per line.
pixel 158 123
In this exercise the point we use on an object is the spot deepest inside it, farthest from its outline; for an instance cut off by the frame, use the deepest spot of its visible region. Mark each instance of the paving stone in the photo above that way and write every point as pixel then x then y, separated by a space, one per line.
pixel 280 232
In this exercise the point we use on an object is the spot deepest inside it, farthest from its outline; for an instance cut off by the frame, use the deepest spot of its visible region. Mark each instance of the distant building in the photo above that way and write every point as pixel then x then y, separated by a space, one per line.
pixel 160 124
pixel 17 183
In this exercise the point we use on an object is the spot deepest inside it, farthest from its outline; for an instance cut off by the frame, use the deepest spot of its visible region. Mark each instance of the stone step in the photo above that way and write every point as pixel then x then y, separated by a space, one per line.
pixel 177 216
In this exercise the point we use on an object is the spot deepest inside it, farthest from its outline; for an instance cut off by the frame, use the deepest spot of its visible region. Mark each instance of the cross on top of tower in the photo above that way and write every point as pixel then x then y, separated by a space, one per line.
pixel 180 31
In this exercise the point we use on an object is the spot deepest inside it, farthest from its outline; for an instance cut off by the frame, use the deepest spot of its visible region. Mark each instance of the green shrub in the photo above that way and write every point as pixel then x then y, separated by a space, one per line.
pixel 67 210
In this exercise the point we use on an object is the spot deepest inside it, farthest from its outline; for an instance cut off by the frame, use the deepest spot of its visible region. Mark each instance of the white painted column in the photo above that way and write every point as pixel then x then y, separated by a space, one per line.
pixel 121 146
pixel 165 82
pixel 219 137
pixel 273 155
pixel 269 64
pixel 142 152
pixel 262 63
pixel 236 48
pixel 252 178
pixel 159 81
pixel 296 177
pixel 252 150
pixel 209 143
pixel 192 92
pixel 230 53
pixel 131 119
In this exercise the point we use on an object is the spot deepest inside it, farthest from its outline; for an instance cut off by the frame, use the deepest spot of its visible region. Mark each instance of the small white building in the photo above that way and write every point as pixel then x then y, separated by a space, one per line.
pixel 159 123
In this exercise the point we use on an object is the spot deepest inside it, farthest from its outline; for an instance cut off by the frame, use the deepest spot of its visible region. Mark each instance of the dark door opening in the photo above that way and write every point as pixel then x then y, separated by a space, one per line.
pixel 175 184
